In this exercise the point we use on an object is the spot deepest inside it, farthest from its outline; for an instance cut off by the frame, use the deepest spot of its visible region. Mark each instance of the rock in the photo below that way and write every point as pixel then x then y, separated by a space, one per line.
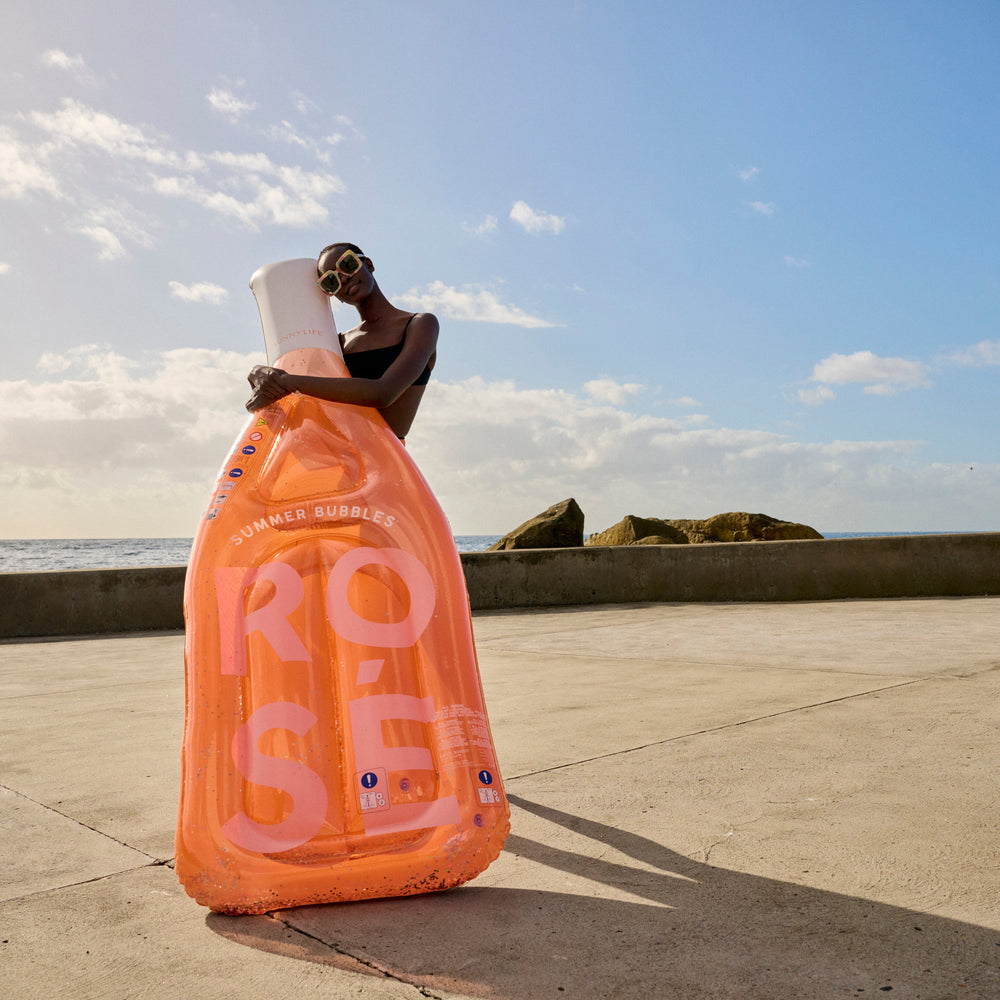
pixel 741 527
pixel 736 526
pixel 561 526
pixel 630 530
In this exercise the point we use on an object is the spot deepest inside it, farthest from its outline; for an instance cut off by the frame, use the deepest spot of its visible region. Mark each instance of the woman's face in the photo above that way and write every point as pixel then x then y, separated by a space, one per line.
pixel 352 287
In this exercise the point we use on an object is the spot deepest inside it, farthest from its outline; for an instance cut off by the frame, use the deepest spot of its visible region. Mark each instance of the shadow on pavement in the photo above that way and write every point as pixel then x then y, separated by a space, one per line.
pixel 677 929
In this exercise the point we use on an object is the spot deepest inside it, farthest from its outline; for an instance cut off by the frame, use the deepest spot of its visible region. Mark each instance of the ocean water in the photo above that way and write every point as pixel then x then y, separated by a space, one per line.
pixel 37 555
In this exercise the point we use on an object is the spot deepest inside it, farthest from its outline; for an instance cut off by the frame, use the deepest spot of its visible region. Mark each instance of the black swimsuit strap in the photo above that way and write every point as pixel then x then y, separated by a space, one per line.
pixel 407 327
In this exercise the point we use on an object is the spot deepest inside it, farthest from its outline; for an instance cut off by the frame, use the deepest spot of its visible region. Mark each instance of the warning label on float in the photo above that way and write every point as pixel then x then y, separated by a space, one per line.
pixel 373 790
pixel 461 735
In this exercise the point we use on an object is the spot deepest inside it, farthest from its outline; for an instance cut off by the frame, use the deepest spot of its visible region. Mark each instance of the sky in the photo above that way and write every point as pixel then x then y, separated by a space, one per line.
pixel 688 256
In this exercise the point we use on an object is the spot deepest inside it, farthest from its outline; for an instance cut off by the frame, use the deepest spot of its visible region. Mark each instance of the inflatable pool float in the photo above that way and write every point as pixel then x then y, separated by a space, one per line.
pixel 336 743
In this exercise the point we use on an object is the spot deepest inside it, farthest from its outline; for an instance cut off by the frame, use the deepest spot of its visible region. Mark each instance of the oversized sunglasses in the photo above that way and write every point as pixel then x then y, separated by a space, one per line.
pixel 348 264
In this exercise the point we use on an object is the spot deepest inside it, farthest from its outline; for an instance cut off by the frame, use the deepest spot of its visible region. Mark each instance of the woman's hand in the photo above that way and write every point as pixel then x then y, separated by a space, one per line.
pixel 268 386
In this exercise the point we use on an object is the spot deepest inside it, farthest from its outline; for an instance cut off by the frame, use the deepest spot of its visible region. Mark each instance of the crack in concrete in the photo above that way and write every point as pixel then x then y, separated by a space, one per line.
pixel 84 881
pixel 718 729
pixel 154 861
pixel 368 967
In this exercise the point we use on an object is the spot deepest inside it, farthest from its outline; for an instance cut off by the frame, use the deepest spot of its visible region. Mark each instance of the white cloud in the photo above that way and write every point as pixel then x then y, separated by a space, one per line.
pixel 298 199
pixel 246 163
pixel 607 390
pixel 201 291
pixel 285 131
pixel 496 454
pixel 881 376
pixel 536 222
pixel 60 60
pixel 488 225
pixel 110 226
pixel 762 207
pixel 305 105
pixel 309 108
pixel 247 186
pixel 90 359
pixel 884 389
pixel 51 363
pixel 77 125
pixel 749 174
pixel 111 445
pixel 182 396
pixel 269 204
pixel 475 304
pixel 796 262
pixel 228 104
pixel 301 183
pixel 215 201
pixel 110 247
pixel 23 169
pixel 347 126
pixel 106 444
pixel 982 355
pixel 684 401
pixel 76 65
pixel 816 395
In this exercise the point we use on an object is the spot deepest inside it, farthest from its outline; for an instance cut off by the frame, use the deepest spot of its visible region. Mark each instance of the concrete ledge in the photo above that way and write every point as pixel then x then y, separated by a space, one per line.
pixel 828 569
pixel 91 602
pixel 85 602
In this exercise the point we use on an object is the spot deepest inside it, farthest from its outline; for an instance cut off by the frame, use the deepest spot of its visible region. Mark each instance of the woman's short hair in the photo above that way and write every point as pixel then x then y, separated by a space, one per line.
pixel 346 246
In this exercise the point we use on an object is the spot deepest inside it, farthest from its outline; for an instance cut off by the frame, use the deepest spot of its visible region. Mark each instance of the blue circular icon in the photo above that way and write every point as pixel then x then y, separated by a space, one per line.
pixel 369 779
pixel 235 473
pixel 485 777
pixel 249 449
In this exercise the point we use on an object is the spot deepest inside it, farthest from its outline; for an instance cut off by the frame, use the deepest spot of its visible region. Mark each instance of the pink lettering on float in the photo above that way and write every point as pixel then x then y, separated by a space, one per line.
pixel 392 635
pixel 406 817
pixel 271 620
pixel 369 671
pixel 303 785
pixel 367 716
pixel 374 757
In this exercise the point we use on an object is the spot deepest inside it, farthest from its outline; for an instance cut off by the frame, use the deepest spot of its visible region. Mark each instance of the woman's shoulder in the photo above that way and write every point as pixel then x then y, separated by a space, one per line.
pixel 426 323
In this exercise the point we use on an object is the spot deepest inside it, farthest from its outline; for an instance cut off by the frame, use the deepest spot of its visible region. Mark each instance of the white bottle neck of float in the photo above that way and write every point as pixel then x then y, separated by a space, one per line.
pixel 294 313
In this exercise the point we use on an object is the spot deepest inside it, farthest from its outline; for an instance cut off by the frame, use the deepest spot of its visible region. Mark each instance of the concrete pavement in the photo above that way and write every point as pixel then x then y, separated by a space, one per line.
pixel 718 801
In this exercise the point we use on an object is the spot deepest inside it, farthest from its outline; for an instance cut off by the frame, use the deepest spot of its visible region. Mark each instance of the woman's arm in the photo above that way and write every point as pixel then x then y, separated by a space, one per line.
pixel 271 384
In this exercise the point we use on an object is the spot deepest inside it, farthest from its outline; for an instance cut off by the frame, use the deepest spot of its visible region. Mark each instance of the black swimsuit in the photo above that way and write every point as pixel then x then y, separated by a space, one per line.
pixel 375 363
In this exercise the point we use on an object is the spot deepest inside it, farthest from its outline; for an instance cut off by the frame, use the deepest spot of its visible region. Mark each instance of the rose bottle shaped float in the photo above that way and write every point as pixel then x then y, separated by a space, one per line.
pixel 336 744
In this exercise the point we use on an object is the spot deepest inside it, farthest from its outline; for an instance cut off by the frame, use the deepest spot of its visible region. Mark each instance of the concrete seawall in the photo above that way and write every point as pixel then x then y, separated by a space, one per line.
pixel 91 601
pixel 86 602
pixel 829 569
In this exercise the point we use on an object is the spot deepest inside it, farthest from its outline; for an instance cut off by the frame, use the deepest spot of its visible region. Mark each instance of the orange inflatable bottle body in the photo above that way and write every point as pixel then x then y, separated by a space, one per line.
pixel 336 744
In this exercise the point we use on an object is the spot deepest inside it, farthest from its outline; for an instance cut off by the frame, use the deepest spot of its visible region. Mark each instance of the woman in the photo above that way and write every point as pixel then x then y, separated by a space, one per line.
pixel 389 354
